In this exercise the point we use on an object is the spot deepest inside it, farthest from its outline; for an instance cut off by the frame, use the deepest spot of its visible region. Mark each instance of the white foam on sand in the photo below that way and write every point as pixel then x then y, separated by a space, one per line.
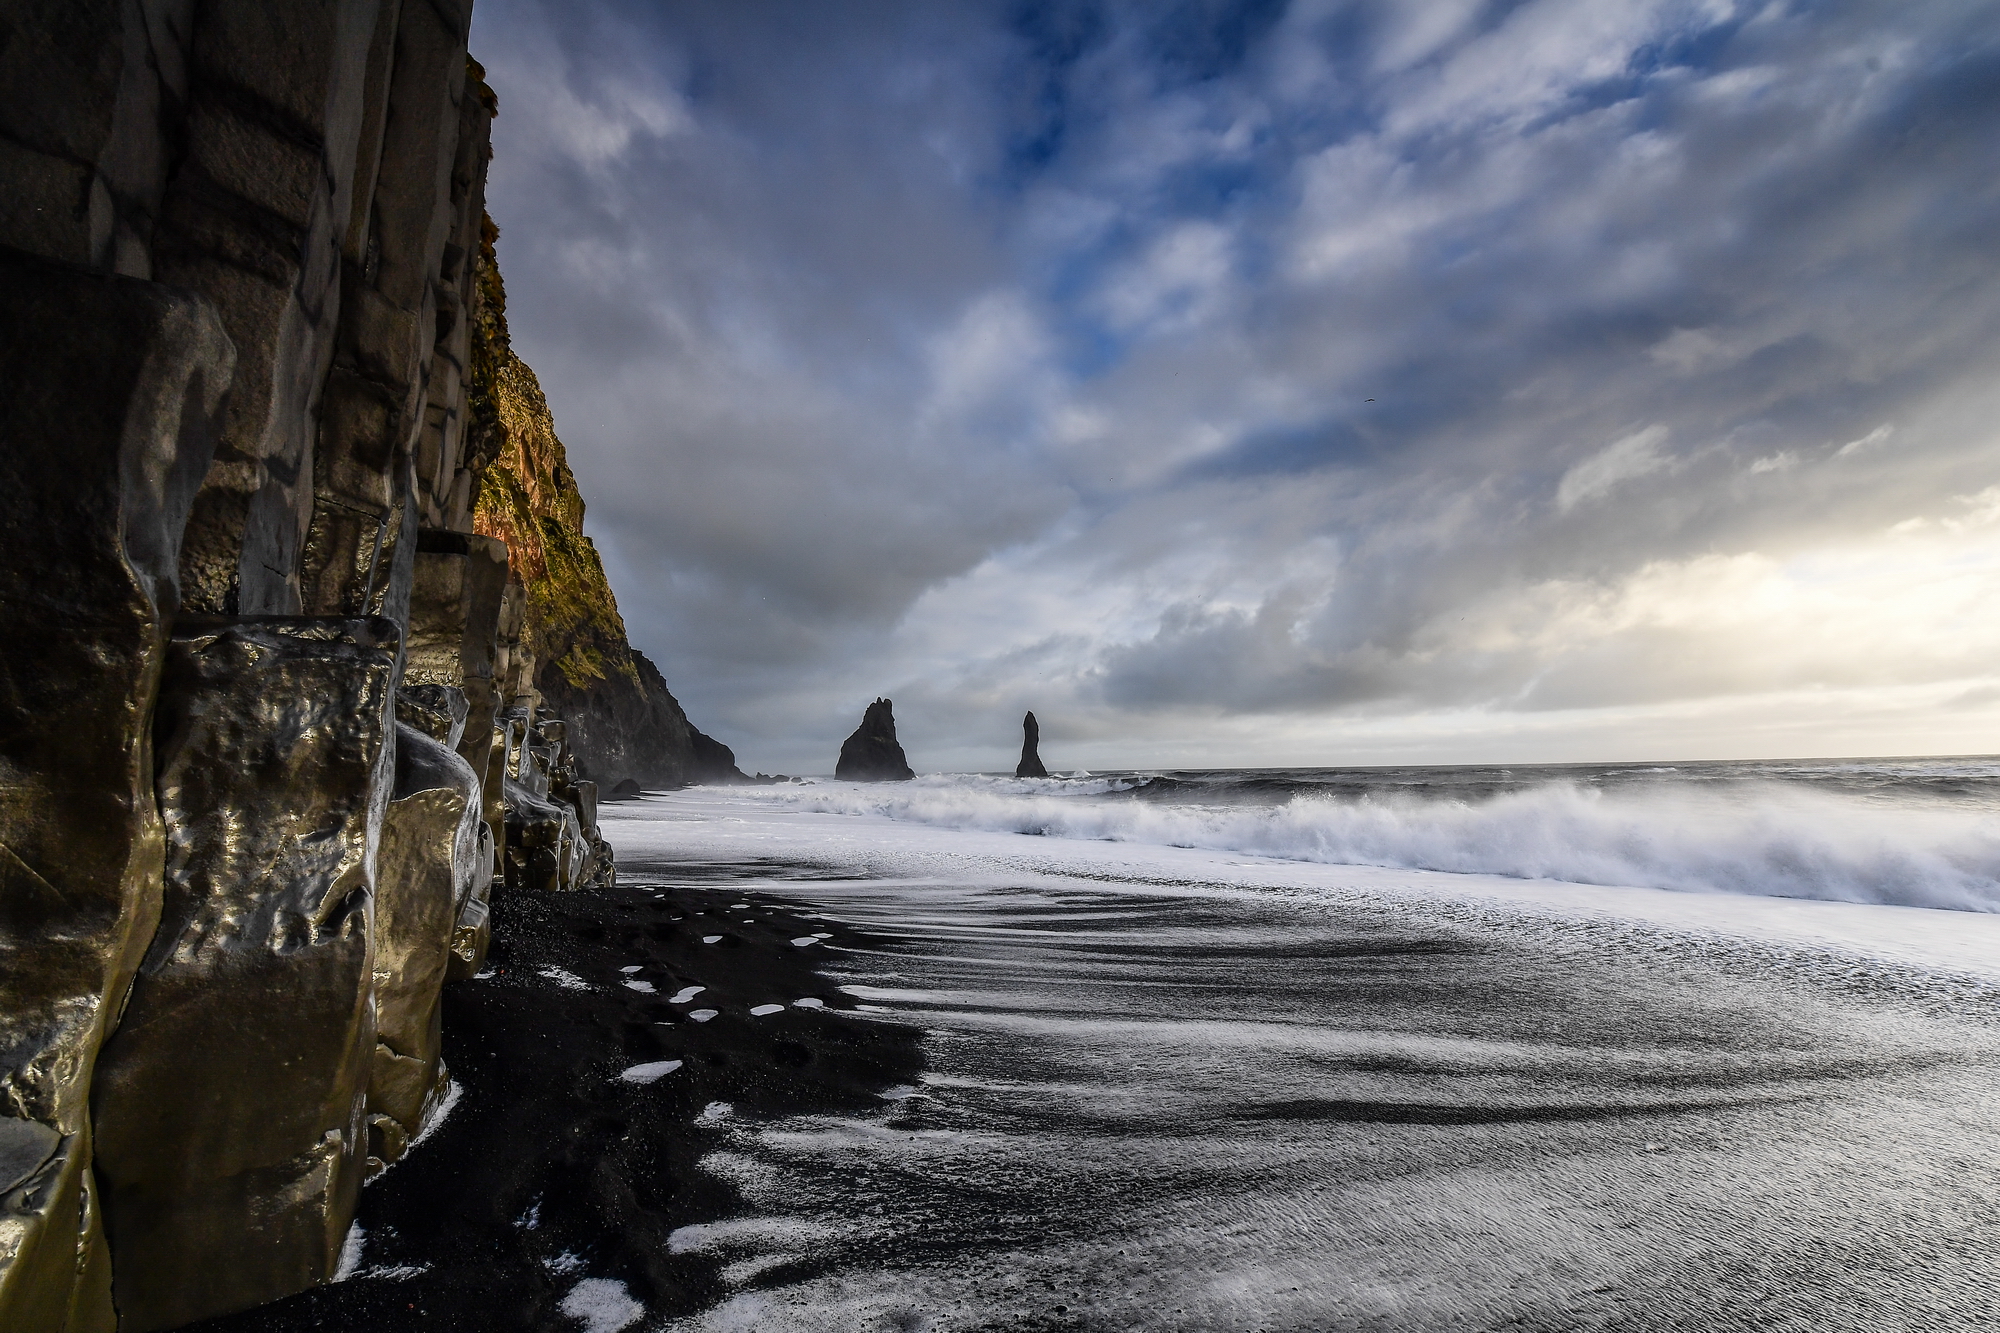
pixel 603 1304
pixel 650 1073
pixel 563 977
pixel 350 1252
pixel 453 1093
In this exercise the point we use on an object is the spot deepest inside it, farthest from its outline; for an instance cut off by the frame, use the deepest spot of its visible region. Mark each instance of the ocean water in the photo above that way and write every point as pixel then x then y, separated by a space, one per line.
pixel 1919 832
pixel 1700 1048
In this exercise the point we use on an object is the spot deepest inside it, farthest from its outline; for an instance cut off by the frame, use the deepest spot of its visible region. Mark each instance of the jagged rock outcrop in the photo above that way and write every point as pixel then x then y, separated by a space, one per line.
pixel 1031 750
pixel 872 753
pixel 270 702
pixel 624 722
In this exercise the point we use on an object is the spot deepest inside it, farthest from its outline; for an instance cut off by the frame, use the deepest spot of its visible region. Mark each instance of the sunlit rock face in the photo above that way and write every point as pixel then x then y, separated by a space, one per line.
pixel 425 870
pixel 1031 750
pixel 872 753
pixel 112 400
pixel 230 1101
pixel 541 840
pixel 472 932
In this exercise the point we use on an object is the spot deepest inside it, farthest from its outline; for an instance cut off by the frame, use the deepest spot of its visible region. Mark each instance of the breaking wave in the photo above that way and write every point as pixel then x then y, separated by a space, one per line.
pixel 1766 839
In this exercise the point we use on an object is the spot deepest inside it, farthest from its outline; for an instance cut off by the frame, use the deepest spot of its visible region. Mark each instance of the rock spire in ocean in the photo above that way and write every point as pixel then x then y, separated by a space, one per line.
pixel 1031 757
pixel 872 753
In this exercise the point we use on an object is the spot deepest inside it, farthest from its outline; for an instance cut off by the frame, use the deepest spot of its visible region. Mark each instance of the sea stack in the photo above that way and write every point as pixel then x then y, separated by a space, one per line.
pixel 1031 757
pixel 872 753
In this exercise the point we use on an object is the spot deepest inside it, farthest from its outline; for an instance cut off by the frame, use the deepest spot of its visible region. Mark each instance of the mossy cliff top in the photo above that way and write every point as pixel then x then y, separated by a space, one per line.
pixel 528 498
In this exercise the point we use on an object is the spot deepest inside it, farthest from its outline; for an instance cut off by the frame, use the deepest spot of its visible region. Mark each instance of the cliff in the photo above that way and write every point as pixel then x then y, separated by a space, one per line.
pixel 268 710
pixel 623 721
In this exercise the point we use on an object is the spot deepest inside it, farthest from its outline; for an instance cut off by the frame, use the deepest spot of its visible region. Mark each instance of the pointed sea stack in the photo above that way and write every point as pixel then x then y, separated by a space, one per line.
pixel 1031 757
pixel 872 754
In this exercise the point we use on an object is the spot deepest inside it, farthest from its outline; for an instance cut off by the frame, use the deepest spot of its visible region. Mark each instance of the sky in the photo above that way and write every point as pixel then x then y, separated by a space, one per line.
pixel 1276 383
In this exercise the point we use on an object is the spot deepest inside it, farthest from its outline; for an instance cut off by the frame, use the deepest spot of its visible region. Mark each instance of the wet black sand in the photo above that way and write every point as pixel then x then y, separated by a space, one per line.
pixel 550 1169
pixel 1121 1104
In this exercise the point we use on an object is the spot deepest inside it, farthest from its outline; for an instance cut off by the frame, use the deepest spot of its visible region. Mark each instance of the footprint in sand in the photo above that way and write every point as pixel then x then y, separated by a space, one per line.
pixel 703 1015
pixel 810 1002
pixel 686 993
pixel 643 987
pixel 764 1009
pixel 804 940
pixel 711 939
pixel 628 971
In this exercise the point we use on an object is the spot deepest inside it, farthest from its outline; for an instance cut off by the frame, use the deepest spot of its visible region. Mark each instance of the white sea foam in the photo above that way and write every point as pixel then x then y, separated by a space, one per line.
pixel 603 1304
pixel 650 1073
pixel 1768 839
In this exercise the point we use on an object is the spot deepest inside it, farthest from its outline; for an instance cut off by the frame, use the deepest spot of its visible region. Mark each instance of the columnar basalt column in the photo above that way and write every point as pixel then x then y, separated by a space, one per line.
pixel 230 1102
pixel 425 873
pixel 363 528
pixel 455 602
pixel 253 218
pixel 473 932
pixel 113 397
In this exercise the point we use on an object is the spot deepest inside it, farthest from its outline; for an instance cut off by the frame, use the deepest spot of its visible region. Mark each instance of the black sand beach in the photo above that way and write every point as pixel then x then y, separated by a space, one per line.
pixel 1159 1105
pixel 551 1168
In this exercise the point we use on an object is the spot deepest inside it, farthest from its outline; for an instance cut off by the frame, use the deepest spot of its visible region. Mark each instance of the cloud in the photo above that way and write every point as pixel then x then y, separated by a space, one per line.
pixel 1637 455
pixel 1201 375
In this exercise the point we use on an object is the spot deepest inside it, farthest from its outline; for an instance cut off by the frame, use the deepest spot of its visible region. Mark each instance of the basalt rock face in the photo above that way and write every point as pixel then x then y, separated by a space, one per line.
pixel 625 723
pixel 229 1102
pixel 872 753
pixel 427 863
pixel 268 697
pixel 113 397
pixel 1031 750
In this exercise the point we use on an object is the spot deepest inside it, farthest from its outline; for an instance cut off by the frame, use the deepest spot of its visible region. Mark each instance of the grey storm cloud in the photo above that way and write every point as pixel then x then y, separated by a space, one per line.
pixel 1283 372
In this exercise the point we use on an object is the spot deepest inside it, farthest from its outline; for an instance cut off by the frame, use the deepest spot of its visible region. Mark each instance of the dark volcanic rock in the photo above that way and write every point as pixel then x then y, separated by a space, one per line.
pixel 620 730
pixel 230 1102
pixel 113 392
pixel 1031 758
pixel 871 754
